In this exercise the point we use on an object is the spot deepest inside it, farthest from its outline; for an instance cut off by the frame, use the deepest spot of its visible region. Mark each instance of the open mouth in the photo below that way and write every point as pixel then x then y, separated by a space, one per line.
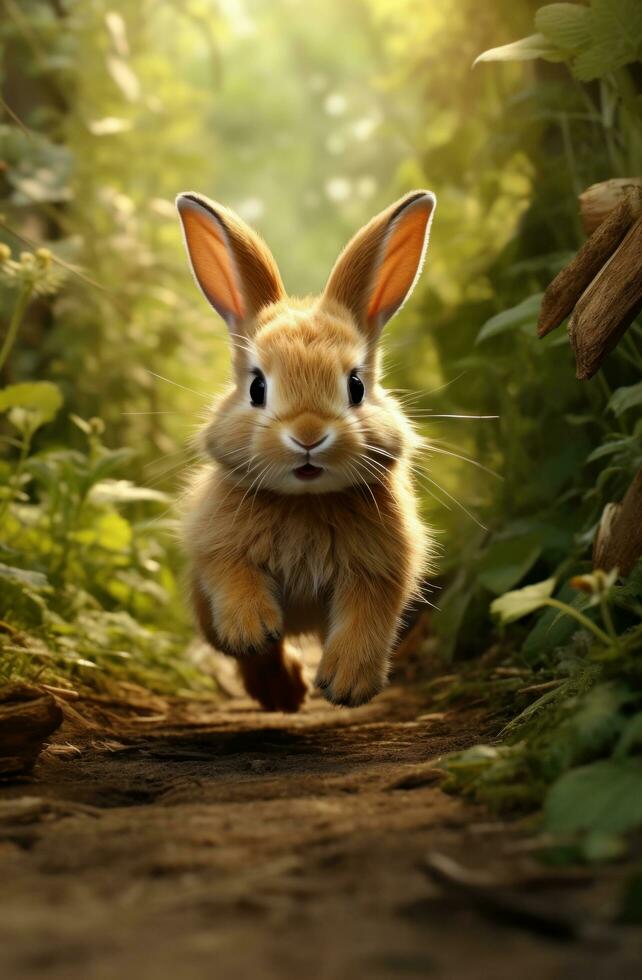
pixel 307 472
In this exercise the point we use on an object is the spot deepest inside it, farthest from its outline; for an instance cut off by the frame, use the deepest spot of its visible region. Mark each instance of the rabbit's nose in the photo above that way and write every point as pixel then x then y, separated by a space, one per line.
pixel 308 433
pixel 309 446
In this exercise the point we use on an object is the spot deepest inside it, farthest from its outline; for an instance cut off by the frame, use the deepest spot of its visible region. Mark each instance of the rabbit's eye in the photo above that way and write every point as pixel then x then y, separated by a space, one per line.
pixel 258 389
pixel 356 389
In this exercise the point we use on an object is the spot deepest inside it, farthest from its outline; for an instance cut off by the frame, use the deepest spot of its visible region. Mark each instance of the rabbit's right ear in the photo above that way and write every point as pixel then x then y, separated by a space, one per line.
pixel 232 265
pixel 377 271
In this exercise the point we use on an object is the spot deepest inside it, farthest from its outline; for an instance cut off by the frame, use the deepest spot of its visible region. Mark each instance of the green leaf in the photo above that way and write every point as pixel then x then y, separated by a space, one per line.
pixel 515 605
pixel 110 460
pixel 478 757
pixel 42 174
pixel 567 25
pixel 125 492
pixel 526 49
pixel 553 629
pixel 616 32
pixel 22 576
pixel 625 398
pixel 598 719
pixel 41 397
pixel 109 531
pixel 505 563
pixel 609 448
pixel 604 797
pixel 522 315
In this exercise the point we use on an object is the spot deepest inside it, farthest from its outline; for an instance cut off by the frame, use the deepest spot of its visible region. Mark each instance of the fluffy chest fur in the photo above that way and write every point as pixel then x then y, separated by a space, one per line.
pixel 307 543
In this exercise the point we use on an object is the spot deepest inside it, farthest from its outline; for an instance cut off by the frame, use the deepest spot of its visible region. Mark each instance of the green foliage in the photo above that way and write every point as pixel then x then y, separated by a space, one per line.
pixel 567 449
pixel 625 398
pixel 523 316
pixel 595 40
pixel 522 602
pixel 41 397
pixel 86 572
pixel 604 797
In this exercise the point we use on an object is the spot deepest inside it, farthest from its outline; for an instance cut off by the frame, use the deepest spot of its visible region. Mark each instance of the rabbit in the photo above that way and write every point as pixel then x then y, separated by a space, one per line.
pixel 304 519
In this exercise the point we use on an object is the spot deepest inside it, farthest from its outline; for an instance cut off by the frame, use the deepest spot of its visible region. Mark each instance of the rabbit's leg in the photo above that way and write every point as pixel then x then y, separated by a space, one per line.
pixel 237 607
pixel 364 616
pixel 274 678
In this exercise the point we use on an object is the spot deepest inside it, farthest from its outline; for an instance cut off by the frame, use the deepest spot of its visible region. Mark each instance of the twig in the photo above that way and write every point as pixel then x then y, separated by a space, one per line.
pixel 609 305
pixel 568 286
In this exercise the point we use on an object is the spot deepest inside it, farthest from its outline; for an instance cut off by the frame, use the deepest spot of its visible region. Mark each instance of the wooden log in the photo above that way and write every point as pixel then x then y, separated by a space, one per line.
pixel 598 200
pixel 567 287
pixel 28 716
pixel 618 542
pixel 608 306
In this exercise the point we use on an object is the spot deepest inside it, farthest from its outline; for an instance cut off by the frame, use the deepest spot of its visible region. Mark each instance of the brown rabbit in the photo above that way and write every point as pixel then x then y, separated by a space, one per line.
pixel 304 520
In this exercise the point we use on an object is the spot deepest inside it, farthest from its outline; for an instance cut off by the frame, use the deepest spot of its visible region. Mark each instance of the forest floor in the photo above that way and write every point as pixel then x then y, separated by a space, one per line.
pixel 189 839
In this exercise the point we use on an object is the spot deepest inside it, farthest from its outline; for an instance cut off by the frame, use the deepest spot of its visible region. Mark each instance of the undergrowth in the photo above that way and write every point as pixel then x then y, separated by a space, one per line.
pixel 86 559
pixel 569 744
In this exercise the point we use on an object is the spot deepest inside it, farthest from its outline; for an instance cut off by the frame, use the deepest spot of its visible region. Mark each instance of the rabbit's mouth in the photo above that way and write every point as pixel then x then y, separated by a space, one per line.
pixel 308 472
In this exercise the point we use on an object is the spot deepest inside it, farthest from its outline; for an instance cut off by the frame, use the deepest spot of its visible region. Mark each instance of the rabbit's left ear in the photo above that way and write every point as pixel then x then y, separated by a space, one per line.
pixel 378 269
pixel 232 265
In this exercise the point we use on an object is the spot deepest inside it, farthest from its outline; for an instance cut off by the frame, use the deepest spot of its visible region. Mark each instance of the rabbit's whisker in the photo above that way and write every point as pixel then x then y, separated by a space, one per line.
pixel 231 489
pixel 154 462
pixel 380 451
pixel 458 503
pixel 228 473
pixel 176 384
pixel 377 466
pixel 428 414
pixel 431 448
pixel 362 485
pixel 376 475
pixel 259 476
pixel 163 475
pixel 267 473
pixel 446 384
pixel 370 471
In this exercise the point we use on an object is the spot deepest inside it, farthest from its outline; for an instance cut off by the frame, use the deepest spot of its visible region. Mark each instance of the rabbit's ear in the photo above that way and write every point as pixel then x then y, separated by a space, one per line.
pixel 377 271
pixel 232 265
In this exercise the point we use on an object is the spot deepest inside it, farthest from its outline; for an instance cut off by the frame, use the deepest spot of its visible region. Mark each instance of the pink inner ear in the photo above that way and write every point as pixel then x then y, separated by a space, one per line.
pixel 401 261
pixel 212 261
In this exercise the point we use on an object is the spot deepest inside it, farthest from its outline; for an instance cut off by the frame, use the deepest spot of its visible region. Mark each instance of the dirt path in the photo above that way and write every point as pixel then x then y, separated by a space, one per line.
pixel 242 845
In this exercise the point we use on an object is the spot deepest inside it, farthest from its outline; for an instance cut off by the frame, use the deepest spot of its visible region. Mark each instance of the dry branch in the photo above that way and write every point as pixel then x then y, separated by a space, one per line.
pixel 568 286
pixel 598 200
pixel 618 542
pixel 28 716
pixel 608 306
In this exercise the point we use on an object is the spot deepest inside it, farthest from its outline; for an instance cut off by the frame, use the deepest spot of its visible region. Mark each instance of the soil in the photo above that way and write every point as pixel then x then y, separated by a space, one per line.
pixel 192 840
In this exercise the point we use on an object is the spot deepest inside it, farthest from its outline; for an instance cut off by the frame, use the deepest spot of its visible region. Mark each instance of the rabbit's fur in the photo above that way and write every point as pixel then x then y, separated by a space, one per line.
pixel 273 553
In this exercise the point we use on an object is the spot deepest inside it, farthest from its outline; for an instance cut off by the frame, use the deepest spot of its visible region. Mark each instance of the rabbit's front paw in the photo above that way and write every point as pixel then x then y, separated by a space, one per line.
pixel 249 626
pixel 351 684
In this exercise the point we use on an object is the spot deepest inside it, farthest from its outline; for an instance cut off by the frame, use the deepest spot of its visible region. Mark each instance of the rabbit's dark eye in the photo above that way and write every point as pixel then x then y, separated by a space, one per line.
pixel 356 389
pixel 258 390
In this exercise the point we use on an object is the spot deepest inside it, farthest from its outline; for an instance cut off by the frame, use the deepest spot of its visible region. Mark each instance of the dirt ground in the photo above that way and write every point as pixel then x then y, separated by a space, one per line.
pixel 220 841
